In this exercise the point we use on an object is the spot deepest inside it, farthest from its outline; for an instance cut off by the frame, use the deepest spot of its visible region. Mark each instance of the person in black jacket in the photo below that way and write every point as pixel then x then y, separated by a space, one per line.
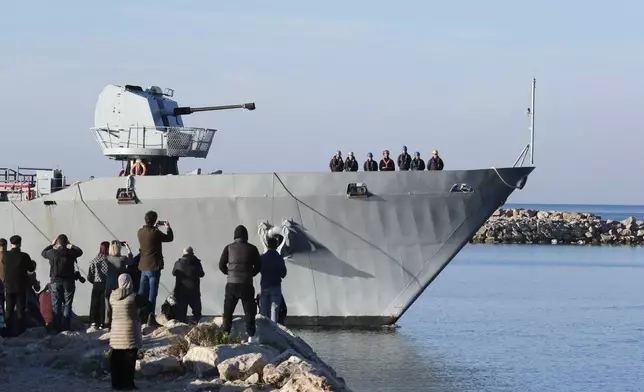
pixel 62 257
pixel 435 162
pixel 404 160
pixel 336 164
pixel 370 164
pixel 417 163
pixel 3 252
pixel 241 262
pixel 386 163
pixel 17 266
pixel 187 292
pixel 273 271
pixel 351 164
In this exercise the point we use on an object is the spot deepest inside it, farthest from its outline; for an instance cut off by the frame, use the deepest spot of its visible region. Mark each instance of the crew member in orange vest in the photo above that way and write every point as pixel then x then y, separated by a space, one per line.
pixel 386 163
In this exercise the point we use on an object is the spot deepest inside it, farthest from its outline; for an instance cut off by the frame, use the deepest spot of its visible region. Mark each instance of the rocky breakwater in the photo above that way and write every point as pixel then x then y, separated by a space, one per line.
pixel 522 226
pixel 175 357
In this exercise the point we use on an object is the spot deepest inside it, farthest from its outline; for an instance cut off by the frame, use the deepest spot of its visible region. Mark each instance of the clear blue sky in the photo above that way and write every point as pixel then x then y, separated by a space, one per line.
pixel 360 76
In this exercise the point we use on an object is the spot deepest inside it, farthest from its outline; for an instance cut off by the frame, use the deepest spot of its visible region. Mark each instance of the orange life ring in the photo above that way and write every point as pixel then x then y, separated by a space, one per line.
pixel 134 170
pixel 121 172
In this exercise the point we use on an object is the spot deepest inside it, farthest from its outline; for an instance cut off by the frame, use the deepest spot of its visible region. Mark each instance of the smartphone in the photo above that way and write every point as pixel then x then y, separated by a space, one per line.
pixel 161 223
pixel 122 243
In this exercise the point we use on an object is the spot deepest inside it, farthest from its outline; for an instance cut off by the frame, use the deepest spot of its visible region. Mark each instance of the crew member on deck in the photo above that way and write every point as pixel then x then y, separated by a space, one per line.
pixel 370 164
pixel 417 163
pixel 404 160
pixel 435 162
pixel 386 163
pixel 337 164
pixel 351 164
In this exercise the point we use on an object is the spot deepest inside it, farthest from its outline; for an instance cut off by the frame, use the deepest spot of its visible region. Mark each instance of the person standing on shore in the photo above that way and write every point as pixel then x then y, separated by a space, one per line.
pixel 97 276
pixel 17 266
pixel 3 252
pixel 240 261
pixel 62 257
pixel 125 334
pixel 273 270
pixel 116 265
pixel 151 241
pixel 188 272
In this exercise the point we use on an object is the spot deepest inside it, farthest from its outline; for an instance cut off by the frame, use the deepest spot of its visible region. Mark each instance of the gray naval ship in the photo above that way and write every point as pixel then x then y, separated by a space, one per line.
pixel 360 246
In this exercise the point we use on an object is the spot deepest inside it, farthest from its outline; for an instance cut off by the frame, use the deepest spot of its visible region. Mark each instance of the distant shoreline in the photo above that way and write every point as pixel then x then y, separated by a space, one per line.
pixel 527 226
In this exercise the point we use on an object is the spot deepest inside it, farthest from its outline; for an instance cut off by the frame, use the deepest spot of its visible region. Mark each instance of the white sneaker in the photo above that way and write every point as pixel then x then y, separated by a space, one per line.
pixel 253 340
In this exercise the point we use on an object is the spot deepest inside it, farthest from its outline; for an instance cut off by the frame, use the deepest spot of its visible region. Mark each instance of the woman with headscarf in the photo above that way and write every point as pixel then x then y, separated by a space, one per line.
pixel 116 265
pixel 125 334
pixel 97 276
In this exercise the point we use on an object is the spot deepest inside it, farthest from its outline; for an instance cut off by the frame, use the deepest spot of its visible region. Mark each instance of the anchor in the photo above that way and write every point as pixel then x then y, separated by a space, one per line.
pixel 286 231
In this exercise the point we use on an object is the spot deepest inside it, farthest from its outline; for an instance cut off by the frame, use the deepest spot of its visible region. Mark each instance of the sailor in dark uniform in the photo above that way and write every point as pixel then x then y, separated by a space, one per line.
pixel 435 162
pixel 337 164
pixel 404 160
pixel 417 163
pixel 351 164
pixel 370 164
pixel 386 163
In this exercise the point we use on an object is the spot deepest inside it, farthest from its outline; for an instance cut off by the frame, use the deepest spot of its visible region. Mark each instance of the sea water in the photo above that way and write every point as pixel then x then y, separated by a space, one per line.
pixel 510 318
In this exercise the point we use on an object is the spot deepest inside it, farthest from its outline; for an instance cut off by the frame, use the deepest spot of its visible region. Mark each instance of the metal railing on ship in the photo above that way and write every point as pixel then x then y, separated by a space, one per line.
pixel 171 141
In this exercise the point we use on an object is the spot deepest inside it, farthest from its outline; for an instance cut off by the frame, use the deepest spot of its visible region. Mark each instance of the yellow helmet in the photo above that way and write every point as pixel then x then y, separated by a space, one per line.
pixel 435 152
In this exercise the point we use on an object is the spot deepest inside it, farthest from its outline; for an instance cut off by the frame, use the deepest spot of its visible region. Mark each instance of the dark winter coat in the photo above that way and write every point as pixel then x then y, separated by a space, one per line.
pixel 273 269
pixel 351 165
pixel 404 161
pixel 62 262
pixel 417 164
pixel 188 270
pixel 17 265
pixel 370 165
pixel 435 164
pixel 239 259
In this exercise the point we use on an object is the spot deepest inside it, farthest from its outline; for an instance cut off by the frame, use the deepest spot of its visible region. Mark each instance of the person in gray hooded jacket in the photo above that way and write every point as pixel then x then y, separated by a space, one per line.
pixel 241 262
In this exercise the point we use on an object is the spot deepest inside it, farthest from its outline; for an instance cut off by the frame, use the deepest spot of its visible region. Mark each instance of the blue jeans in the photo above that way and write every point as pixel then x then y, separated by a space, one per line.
pixel 269 302
pixel 62 297
pixel 150 287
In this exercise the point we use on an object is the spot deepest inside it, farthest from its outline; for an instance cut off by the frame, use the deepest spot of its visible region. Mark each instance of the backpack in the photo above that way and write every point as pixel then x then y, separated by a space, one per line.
pixel 44 300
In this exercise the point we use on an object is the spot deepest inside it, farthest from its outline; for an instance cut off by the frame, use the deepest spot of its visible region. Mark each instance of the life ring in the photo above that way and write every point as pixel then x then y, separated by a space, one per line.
pixel 121 172
pixel 134 170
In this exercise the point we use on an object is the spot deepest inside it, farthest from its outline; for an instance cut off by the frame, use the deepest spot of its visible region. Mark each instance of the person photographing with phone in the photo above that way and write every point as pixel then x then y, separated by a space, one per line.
pixel 151 241
pixel 62 256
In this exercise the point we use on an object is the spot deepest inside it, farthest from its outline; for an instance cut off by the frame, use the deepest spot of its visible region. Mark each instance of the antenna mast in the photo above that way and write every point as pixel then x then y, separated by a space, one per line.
pixel 531 114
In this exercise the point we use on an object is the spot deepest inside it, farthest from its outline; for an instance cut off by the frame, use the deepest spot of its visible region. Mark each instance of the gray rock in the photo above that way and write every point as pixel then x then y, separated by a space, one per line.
pixel 243 366
pixel 519 226
pixel 297 374
pixel 203 361
pixel 157 365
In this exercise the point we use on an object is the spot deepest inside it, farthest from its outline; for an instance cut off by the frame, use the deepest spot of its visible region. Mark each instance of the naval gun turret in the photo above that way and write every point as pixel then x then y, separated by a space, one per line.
pixel 134 125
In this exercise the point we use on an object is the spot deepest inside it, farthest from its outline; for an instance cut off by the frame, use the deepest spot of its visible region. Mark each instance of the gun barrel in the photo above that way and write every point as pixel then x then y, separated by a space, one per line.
pixel 188 110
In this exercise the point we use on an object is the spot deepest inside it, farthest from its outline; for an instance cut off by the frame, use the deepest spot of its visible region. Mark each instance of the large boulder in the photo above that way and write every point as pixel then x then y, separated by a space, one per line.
pixel 281 338
pixel 297 374
pixel 170 329
pixel 203 361
pixel 243 366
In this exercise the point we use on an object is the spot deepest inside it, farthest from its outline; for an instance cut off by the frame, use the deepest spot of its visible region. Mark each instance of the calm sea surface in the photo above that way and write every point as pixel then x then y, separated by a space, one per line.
pixel 511 318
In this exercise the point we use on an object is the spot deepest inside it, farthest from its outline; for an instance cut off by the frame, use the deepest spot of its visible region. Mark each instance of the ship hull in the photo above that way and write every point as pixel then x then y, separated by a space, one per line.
pixel 354 261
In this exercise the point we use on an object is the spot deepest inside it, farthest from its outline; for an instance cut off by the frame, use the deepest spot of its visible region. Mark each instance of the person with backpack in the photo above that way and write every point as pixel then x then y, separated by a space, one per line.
pixel 62 256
